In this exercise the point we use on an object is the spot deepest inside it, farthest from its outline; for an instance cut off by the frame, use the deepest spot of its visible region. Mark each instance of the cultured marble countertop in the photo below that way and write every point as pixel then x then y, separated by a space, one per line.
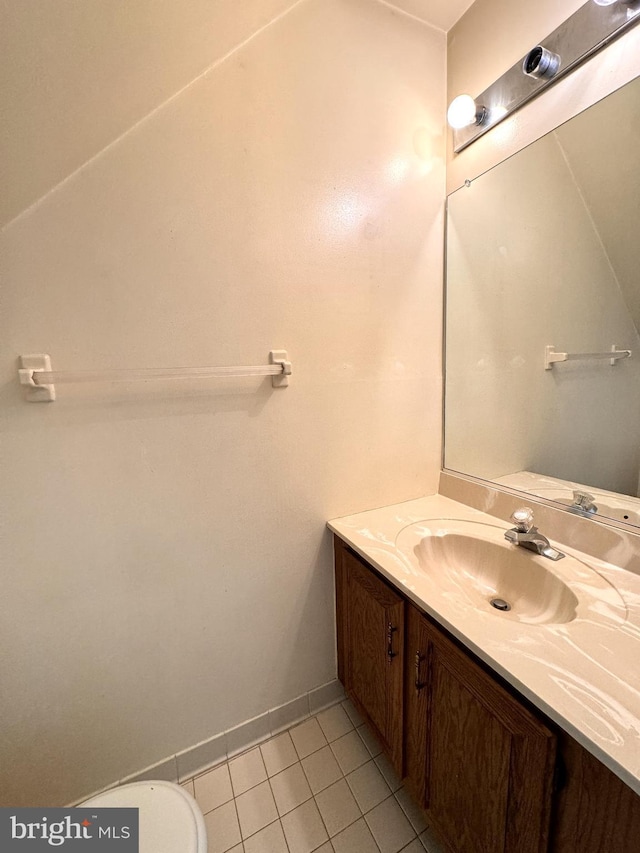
pixel 584 674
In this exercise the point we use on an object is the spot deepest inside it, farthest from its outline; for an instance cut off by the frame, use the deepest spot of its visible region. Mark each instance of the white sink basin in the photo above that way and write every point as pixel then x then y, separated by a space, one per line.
pixel 473 561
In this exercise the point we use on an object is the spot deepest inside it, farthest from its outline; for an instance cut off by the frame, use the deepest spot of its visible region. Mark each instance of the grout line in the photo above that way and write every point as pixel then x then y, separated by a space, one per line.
pixel 323 823
pixel 253 834
pixel 286 843
pixel 235 806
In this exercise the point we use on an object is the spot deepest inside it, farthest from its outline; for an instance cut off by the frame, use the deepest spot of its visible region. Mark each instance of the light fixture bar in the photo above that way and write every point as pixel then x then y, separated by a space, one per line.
pixel 586 32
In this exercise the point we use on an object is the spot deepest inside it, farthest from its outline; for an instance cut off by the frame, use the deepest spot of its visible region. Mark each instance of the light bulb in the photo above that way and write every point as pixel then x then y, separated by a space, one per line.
pixel 463 111
pixel 605 2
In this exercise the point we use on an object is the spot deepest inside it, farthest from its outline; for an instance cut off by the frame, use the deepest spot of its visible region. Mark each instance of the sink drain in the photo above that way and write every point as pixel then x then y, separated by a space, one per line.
pixel 500 604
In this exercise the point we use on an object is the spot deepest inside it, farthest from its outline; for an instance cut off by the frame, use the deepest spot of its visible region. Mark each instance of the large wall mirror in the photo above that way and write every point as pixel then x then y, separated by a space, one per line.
pixel 544 251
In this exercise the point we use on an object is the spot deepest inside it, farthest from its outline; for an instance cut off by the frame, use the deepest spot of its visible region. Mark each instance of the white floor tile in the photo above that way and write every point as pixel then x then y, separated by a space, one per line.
pixel 414 847
pixel 213 789
pixel 321 769
pixel 334 722
pixel 350 752
pixel 337 807
pixel 356 838
pixel 354 716
pixel 389 826
pixel 247 771
pixel 268 840
pixel 274 810
pixel 308 737
pixel 388 772
pixel 278 753
pixel 368 786
pixel 430 842
pixel 256 809
pixel 223 831
pixel 290 789
pixel 303 828
pixel 370 741
pixel 413 812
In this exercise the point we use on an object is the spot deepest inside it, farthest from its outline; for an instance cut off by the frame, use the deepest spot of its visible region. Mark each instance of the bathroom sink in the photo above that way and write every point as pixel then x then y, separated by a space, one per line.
pixel 472 561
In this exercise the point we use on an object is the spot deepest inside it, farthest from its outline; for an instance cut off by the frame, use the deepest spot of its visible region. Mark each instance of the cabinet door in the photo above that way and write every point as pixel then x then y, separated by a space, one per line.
pixel 595 811
pixel 489 763
pixel 372 641
pixel 416 696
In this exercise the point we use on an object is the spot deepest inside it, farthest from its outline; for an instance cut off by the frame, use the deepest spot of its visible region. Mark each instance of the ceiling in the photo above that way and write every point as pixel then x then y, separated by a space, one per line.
pixel 439 13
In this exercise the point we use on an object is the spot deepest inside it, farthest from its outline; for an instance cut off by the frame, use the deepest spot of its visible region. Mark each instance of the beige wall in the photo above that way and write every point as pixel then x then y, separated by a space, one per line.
pixel 78 73
pixel 167 572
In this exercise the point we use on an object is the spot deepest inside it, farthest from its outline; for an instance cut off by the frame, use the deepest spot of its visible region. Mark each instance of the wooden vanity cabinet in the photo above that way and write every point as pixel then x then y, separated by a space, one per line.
pixel 478 761
pixel 370 619
pixel 493 775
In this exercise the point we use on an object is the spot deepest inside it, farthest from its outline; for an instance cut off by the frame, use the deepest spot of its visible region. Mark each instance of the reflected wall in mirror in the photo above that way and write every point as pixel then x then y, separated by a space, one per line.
pixel 542 250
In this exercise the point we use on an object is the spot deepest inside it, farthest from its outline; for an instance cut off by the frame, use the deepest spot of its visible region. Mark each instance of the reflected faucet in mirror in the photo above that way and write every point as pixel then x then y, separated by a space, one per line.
pixel 583 503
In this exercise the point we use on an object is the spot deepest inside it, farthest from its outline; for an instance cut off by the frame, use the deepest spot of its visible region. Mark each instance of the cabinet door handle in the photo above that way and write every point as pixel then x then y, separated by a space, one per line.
pixel 390 653
pixel 419 684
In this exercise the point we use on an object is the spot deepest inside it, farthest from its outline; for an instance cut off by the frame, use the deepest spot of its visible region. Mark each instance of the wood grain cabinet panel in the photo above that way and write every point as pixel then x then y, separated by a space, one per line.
pixel 595 811
pixel 371 619
pixel 488 761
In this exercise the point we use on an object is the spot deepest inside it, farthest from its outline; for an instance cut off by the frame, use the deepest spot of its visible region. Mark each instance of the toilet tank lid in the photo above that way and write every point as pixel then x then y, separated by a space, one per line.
pixel 169 818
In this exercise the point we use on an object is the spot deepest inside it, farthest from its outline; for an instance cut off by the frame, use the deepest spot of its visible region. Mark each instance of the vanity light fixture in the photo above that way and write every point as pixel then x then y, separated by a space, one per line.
pixel 541 63
pixel 464 112
pixel 593 26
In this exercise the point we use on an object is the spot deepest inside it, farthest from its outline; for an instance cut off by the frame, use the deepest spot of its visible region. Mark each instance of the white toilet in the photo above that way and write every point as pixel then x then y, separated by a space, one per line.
pixel 170 819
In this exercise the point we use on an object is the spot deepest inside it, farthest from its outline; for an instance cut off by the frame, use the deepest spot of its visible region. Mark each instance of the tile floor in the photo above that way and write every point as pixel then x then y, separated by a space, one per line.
pixel 323 786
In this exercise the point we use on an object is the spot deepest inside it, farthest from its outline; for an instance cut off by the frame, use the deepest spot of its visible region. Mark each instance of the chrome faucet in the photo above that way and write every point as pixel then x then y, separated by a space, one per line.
pixel 524 533
pixel 583 503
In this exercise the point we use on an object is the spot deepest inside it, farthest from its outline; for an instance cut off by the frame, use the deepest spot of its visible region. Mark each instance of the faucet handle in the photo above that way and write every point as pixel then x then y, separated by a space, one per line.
pixel 583 499
pixel 523 519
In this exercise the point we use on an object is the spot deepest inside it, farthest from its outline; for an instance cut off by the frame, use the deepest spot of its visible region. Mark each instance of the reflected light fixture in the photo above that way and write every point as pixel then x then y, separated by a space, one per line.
pixel 464 112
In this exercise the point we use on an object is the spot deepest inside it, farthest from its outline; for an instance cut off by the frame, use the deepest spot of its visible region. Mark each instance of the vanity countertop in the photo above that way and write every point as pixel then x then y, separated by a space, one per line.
pixel 584 674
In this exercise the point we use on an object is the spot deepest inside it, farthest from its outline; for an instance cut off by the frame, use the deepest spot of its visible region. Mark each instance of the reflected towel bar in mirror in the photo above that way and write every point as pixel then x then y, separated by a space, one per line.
pixel 551 356
pixel 36 374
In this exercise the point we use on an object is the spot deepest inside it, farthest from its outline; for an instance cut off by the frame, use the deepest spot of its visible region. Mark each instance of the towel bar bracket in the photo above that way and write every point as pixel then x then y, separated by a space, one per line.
pixel 280 356
pixel 28 365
